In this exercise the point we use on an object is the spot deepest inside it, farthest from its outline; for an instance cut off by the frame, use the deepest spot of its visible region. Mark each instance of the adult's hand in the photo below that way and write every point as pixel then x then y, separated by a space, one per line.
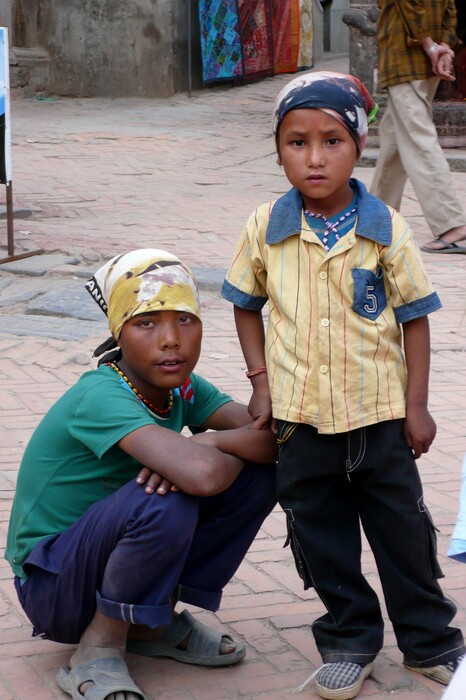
pixel 442 62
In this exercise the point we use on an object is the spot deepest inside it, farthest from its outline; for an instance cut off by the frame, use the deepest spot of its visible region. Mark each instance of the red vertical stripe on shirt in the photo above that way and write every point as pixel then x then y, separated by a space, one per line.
pixel 345 347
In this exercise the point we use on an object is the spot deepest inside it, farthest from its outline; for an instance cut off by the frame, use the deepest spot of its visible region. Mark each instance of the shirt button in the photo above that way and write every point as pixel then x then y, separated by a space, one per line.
pixel 325 322
pixel 323 369
pixel 323 275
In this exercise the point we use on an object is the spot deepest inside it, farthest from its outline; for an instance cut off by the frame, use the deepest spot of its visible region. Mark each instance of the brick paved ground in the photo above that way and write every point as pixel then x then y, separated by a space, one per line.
pixel 104 176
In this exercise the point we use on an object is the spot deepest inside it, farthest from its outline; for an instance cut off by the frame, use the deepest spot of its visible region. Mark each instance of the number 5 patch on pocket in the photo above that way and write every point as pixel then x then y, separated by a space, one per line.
pixel 369 292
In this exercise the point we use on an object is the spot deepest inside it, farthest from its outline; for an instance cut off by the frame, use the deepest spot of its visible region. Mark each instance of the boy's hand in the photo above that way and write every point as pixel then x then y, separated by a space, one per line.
pixel 154 482
pixel 419 430
pixel 260 408
pixel 259 424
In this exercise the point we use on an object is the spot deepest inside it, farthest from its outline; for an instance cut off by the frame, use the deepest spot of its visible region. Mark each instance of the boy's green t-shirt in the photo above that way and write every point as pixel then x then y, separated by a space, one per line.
pixel 73 459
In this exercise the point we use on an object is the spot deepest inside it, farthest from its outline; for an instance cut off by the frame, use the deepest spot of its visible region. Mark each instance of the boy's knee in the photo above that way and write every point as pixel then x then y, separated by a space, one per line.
pixel 174 516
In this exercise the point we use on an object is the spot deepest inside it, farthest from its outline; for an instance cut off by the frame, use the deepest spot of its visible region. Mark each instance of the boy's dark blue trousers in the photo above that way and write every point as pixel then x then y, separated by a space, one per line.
pixel 330 484
pixel 131 555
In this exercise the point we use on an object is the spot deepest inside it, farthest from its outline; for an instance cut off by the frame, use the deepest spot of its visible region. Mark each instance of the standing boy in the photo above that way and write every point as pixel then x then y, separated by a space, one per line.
pixel 116 515
pixel 346 286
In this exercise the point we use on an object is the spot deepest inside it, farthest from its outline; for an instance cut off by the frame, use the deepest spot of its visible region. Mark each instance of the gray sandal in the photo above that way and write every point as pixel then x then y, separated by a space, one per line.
pixel 203 646
pixel 446 247
pixel 108 676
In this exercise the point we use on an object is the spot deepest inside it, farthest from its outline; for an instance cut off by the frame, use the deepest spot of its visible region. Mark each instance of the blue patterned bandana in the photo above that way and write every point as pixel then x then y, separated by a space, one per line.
pixel 344 97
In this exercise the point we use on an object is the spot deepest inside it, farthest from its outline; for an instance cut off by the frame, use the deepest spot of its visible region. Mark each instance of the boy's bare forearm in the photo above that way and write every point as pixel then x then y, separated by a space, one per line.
pixel 419 426
pixel 250 329
pixel 195 468
pixel 416 336
pixel 258 446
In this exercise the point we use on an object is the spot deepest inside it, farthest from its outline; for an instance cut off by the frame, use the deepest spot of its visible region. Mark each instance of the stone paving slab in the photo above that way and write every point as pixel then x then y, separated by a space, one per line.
pixel 14 291
pixel 67 298
pixel 37 265
pixel 60 297
pixel 105 176
pixel 51 327
pixel 17 213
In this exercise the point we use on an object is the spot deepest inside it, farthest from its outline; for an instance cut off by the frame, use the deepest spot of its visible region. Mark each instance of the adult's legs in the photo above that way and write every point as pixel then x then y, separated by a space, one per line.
pixel 390 176
pixel 410 124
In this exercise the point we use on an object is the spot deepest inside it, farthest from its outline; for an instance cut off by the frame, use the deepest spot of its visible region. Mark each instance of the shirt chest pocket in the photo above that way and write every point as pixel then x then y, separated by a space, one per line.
pixel 369 292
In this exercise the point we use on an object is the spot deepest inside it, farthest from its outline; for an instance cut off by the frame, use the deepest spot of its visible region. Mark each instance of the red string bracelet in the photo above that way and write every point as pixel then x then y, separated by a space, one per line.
pixel 255 372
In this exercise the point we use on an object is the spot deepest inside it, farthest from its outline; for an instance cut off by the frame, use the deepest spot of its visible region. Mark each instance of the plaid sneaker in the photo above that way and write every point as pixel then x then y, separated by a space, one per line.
pixel 341 680
pixel 442 673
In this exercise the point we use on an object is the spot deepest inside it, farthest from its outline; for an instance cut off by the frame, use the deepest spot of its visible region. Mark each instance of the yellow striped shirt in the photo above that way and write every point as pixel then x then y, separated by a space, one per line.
pixel 333 342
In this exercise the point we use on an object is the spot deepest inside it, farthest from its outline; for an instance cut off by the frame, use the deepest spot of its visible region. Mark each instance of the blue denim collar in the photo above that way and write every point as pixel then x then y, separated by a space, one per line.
pixel 374 219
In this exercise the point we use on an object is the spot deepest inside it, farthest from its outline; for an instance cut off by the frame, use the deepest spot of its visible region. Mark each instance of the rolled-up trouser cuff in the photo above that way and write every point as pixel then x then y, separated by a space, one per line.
pixel 444 658
pixel 208 600
pixel 354 658
pixel 149 615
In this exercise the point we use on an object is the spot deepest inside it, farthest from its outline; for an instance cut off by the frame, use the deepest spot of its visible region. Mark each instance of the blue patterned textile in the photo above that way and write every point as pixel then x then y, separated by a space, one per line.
pixel 220 40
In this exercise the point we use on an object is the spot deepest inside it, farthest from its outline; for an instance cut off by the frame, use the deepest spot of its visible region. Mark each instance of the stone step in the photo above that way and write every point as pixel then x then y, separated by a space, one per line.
pixel 456 158
pixel 29 71
pixel 449 118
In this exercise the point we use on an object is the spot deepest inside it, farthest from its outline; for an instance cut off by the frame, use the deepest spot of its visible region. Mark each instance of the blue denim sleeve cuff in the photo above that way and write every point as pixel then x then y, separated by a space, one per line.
pixel 418 308
pixel 241 299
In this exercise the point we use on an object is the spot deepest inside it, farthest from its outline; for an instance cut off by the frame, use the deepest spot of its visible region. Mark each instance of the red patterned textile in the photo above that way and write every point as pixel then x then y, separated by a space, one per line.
pixel 286 35
pixel 245 40
pixel 256 37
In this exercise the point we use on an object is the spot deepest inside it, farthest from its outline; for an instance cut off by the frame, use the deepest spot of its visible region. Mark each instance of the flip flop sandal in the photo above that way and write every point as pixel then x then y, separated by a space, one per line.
pixel 108 675
pixel 203 646
pixel 446 247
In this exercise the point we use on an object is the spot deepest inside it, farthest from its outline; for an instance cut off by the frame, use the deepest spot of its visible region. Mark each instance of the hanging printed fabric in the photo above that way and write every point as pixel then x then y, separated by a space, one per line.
pixel 286 28
pixel 305 57
pixel 5 147
pixel 256 37
pixel 220 40
pixel 252 39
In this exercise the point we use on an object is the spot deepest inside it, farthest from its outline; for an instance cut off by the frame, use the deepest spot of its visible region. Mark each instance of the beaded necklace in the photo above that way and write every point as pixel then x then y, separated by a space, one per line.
pixel 154 409
pixel 331 226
